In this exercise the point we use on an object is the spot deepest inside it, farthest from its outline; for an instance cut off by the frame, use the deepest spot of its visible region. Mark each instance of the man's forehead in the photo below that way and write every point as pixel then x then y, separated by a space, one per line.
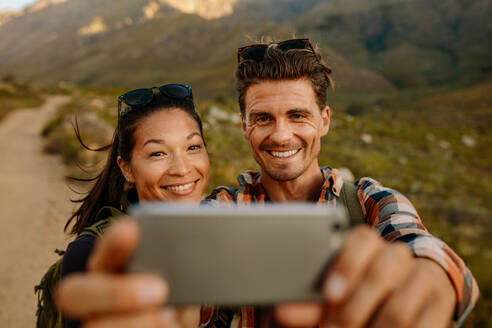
pixel 282 94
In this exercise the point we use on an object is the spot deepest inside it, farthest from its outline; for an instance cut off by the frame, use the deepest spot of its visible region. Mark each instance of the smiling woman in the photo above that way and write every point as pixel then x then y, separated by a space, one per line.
pixel 158 154
pixel 169 160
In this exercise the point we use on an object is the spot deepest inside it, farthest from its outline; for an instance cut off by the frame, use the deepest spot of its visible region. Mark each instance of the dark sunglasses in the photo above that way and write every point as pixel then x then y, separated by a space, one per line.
pixel 257 51
pixel 141 97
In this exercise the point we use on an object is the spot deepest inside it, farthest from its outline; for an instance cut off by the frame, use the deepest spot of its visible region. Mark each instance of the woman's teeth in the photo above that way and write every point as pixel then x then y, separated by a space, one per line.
pixel 284 153
pixel 180 187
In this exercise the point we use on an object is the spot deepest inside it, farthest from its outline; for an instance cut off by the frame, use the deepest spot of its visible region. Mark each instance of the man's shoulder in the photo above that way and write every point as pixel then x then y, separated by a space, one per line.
pixel 370 185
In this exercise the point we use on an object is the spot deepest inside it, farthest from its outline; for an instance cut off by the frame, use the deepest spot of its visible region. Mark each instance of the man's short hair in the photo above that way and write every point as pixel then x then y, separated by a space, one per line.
pixel 277 65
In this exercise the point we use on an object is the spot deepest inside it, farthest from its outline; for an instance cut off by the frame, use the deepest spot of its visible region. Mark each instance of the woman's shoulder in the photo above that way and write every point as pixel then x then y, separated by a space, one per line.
pixel 79 250
pixel 77 254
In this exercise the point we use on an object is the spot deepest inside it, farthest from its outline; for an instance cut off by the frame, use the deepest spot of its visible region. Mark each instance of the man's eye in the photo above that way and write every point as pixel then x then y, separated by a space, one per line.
pixel 262 119
pixel 296 116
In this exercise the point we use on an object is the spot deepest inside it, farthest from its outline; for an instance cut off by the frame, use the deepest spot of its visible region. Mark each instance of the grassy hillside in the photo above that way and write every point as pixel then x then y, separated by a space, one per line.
pixel 431 144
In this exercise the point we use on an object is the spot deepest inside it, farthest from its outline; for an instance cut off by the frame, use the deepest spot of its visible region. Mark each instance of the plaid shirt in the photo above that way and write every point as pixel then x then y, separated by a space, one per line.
pixel 390 213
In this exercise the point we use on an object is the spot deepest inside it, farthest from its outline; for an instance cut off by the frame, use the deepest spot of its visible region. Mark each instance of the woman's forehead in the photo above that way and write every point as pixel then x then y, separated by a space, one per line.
pixel 168 124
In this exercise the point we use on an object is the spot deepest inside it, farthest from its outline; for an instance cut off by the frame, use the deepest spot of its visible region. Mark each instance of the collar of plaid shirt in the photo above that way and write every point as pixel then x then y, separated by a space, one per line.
pixel 251 188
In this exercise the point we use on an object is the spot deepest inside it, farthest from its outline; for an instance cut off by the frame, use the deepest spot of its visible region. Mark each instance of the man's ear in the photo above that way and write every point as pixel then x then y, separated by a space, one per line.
pixel 325 120
pixel 126 170
pixel 244 126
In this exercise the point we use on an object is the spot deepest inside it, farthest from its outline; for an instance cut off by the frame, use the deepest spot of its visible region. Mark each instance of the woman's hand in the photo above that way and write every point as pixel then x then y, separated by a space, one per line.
pixel 373 283
pixel 107 297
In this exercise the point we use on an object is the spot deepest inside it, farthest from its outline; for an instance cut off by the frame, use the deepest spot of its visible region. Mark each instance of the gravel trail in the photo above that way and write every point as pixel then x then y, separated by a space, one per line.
pixel 34 205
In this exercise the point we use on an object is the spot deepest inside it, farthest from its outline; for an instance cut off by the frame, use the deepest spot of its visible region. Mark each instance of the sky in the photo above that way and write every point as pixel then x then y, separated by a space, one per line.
pixel 14 4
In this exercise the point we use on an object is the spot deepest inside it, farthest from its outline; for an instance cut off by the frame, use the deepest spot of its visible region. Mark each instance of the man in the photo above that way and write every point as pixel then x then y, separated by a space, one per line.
pixel 407 278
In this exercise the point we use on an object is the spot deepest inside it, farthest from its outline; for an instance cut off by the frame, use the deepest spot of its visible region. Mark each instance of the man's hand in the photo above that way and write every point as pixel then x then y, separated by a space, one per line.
pixel 104 297
pixel 377 284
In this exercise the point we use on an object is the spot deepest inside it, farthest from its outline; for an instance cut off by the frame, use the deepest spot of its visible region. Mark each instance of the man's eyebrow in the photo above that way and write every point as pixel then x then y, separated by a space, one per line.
pixel 259 113
pixel 157 141
pixel 299 111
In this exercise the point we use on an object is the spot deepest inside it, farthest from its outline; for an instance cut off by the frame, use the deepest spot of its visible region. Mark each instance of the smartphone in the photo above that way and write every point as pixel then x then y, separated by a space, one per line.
pixel 253 255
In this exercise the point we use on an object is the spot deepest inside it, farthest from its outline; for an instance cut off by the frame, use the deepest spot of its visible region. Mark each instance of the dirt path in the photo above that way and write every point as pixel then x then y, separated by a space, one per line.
pixel 34 205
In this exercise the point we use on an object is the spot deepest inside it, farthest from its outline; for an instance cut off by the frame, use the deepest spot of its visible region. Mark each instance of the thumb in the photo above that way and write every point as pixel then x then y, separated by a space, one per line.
pixel 112 252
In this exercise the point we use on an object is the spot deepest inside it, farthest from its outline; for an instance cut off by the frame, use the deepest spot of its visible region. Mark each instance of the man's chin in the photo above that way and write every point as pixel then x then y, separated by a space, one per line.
pixel 283 175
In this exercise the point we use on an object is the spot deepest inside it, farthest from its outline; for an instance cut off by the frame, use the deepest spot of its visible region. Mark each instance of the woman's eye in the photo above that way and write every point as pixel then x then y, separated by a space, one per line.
pixel 195 147
pixel 157 154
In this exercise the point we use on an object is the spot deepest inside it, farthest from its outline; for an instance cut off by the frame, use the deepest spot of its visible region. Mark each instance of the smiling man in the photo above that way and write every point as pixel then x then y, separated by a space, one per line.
pixel 392 271
pixel 284 126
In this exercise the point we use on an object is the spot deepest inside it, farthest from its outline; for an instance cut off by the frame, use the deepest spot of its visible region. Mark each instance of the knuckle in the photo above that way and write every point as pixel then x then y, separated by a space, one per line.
pixel 380 269
pixel 395 318
pixel 347 319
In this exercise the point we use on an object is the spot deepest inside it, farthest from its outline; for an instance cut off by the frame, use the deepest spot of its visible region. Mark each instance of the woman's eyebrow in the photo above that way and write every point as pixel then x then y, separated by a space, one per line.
pixel 157 141
pixel 192 135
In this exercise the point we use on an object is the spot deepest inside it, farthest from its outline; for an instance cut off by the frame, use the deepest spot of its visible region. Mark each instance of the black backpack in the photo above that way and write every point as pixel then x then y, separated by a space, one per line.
pixel 47 314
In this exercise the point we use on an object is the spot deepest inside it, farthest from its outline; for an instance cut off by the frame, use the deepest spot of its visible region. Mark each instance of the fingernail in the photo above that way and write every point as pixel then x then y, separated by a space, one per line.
pixel 151 291
pixel 335 287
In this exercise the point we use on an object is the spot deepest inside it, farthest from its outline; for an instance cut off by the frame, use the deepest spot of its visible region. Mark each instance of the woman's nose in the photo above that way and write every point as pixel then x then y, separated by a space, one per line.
pixel 180 165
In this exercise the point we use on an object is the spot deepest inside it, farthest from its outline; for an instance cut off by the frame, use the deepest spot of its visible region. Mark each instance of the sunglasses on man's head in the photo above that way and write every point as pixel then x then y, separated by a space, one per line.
pixel 257 52
pixel 141 97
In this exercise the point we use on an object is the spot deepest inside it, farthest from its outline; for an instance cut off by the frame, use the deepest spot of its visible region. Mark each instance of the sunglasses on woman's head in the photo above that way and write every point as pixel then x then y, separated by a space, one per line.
pixel 257 52
pixel 141 97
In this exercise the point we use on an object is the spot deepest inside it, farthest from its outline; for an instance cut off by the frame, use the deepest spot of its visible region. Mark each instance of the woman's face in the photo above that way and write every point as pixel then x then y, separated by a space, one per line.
pixel 169 161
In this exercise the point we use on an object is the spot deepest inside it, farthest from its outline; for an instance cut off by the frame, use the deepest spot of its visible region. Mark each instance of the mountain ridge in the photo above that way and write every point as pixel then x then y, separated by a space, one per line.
pixel 141 42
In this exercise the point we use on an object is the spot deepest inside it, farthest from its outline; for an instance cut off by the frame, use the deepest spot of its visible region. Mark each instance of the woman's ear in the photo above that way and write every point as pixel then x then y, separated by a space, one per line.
pixel 126 170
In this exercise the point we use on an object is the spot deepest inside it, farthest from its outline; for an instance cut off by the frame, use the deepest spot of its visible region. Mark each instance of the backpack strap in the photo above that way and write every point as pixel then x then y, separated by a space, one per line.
pixel 103 218
pixel 349 199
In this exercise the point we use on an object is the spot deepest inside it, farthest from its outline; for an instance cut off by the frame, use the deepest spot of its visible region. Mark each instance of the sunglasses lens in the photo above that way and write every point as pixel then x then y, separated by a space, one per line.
pixel 138 97
pixel 292 44
pixel 256 53
pixel 175 90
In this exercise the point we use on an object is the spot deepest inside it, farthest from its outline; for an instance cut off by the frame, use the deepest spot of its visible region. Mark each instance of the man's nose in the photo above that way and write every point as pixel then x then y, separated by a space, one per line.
pixel 281 133
pixel 180 165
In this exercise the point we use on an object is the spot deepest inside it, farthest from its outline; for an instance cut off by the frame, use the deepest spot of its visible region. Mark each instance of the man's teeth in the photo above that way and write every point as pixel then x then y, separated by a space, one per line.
pixel 284 153
pixel 181 187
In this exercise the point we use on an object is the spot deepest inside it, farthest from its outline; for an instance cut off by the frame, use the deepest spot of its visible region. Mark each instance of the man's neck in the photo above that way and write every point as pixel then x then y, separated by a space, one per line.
pixel 304 188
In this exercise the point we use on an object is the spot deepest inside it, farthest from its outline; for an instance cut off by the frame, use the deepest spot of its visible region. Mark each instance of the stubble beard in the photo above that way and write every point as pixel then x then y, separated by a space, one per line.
pixel 283 174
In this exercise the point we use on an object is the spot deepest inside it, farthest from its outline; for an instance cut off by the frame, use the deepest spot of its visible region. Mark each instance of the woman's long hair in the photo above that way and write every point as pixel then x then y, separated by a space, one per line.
pixel 109 185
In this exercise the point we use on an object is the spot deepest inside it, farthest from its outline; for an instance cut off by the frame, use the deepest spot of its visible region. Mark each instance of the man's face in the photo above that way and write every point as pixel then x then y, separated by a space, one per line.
pixel 284 125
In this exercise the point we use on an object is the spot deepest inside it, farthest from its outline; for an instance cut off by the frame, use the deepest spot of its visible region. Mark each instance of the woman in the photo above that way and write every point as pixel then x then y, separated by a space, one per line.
pixel 157 154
